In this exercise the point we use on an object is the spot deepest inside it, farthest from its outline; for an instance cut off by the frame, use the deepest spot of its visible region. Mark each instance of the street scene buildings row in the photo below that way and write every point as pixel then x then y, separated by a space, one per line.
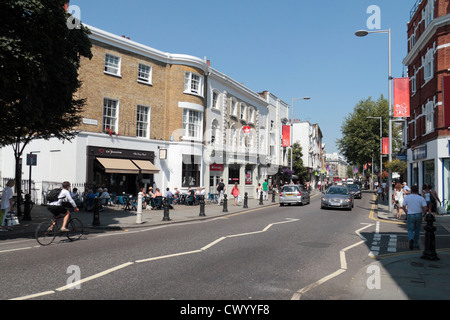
pixel 167 120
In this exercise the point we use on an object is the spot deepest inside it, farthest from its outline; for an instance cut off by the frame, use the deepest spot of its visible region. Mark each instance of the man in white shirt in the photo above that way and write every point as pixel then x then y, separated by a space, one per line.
pixel 415 207
pixel 7 204
pixel 62 205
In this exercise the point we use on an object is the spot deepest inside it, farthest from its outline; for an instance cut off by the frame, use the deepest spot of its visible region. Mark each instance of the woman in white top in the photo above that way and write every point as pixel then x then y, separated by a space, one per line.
pixel 62 206
pixel 7 204
pixel 398 198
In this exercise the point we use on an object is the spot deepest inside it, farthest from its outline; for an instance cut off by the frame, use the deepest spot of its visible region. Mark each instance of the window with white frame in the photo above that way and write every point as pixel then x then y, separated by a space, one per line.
pixel 428 65
pixel 145 73
pixel 243 112
pixel 143 122
pixel 215 132
pixel 413 84
pixel 193 83
pixel 428 12
pixel 234 107
pixel 252 117
pixel 110 115
pixel 215 100
pixel 429 117
pixel 112 64
pixel 192 124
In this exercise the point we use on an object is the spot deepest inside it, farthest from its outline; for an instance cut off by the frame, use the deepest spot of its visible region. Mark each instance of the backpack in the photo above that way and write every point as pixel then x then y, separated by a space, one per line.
pixel 53 195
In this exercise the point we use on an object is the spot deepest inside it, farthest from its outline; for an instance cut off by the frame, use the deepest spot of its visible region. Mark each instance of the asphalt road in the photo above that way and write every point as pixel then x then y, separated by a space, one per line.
pixel 276 253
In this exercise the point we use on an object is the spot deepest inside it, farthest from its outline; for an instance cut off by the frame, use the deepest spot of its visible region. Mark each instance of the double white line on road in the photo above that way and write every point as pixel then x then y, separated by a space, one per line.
pixel 122 266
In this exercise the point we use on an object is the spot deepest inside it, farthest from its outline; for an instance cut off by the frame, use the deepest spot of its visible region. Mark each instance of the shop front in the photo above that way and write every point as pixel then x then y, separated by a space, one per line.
pixel 120 170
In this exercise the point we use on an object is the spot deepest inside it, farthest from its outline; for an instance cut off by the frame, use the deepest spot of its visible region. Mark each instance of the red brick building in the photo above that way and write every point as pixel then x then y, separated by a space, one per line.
pixel 428 63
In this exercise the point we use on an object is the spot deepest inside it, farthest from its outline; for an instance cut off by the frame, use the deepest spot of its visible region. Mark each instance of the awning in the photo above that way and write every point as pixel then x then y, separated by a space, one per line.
pixel 146 166
pixel 124 166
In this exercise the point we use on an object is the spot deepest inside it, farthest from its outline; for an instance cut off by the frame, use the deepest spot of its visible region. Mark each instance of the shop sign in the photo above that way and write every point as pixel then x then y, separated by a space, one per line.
pixel 419 153
pixel 216 167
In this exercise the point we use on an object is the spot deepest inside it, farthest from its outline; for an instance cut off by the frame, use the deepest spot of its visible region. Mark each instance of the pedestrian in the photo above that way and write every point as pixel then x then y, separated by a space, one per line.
pixel 265 190
pixel 63 205
pixel 406 189
pixel 414 207
pixel 235 193
pixel 380 193
pixel 431 197
pixel 259 190
pixel 7 205
pixel 220 190
pixel 397 199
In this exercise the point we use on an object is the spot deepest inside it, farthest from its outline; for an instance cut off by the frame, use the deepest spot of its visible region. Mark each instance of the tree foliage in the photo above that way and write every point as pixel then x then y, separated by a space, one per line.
pixel 360 142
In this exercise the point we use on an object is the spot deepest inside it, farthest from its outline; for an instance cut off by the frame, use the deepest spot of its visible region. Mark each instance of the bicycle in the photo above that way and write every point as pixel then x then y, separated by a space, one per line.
pixel 46 232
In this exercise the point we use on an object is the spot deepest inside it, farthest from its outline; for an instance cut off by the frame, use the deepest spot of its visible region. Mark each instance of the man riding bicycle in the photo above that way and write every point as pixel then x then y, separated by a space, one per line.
pixel 63 205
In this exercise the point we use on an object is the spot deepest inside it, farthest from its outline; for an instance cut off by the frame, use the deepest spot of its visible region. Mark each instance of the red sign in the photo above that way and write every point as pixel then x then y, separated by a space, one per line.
pixel 401 98
pixel 446 98
pixel 385 145
pixel 216 167
pixel 247 129
pixel 286 136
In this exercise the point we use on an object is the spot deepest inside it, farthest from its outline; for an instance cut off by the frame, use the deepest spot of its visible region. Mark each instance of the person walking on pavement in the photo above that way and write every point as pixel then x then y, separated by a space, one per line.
pixel 265 190
pixel 235 193
pixel 414 207
pixel 430 197
pixel 220 190
pixel 7 204
pixel 397 199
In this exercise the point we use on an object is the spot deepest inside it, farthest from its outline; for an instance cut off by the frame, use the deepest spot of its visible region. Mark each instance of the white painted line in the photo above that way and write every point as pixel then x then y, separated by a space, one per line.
pixel 168 256
pixel 34 295
pixel 18 249
pixel 359 234
pixel 95 276
pixel 212 244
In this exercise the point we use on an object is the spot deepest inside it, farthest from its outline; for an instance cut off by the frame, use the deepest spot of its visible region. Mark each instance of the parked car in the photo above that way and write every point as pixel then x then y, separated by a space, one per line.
pixel 355 190
pixel 337 197
pixel 294 194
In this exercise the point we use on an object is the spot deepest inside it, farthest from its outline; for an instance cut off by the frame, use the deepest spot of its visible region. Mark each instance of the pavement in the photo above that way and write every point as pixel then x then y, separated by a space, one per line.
pixel 402 276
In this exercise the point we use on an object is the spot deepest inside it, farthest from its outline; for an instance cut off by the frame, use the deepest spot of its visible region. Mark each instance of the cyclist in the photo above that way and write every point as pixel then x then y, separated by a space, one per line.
pixel 63 205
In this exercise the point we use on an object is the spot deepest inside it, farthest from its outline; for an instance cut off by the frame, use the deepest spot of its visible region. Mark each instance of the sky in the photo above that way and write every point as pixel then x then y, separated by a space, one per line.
pixel 292 48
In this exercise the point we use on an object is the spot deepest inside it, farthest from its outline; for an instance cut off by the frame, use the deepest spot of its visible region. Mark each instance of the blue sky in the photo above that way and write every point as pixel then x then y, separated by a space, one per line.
pixel 292 48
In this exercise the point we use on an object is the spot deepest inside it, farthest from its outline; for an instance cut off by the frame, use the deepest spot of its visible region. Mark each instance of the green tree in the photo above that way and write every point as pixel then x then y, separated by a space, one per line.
pixel 360 142
pixel 39 61
pixel 297 165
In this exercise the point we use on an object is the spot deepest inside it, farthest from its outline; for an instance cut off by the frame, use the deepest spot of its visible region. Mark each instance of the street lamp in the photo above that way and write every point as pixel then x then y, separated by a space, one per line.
pixel 363 33
pixel 381 141
pixel 292 128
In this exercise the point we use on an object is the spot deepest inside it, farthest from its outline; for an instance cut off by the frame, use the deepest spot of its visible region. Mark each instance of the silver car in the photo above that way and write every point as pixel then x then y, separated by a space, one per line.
pixel 337 197
pixel 294 194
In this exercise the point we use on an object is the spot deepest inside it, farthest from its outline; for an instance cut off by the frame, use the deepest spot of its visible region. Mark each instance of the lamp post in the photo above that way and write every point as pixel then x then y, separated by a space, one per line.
pixel 381 141
pixel 363 33
pixel 292 128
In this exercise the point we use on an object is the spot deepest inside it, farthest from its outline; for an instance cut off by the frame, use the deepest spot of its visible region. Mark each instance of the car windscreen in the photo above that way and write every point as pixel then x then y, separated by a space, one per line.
pixel 289 189
pixel 343 191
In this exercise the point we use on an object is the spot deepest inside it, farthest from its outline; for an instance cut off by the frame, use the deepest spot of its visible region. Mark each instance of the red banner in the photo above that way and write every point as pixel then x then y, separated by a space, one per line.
pixel 385 145
pixel 401 98
pixel 286 136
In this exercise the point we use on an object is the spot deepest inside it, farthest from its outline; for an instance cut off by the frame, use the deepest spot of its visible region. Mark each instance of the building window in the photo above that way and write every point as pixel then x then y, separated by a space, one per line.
pixel 429 117
pixel 143 122
pixel 413 84
pixel 215 100
pixel 190 171
pixel 110 108
pixel 252 115
pixel 215 132
pixel 243 112
pixel 192 124
pixel 193 83
pixel 428 12
pixel 112 64
pixel 428 65
pixel 145 74
pixel 234 107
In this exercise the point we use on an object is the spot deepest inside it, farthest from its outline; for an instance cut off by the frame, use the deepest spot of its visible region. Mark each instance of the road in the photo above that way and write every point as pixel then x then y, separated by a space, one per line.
pixel 275 253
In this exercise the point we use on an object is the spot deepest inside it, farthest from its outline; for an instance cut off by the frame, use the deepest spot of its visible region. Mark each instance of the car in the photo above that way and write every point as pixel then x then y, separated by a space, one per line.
pixel 355 190
pixel 349 181
pixel 337 197
pixel 294 194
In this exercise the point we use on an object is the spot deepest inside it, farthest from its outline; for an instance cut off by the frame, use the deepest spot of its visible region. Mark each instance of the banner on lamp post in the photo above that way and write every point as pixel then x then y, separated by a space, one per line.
pixel 385 145
pixel 401 98
pixel 286 136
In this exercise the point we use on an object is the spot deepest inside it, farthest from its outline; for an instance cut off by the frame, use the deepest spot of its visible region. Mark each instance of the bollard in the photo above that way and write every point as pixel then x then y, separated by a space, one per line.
pixel 166 209
pixel 202 206
pixel 245 200
pixel 96 212
pixel 225 203
pixel 27 208
pixel 261 199
pixel 430 239
pixel 139 209
pixel 273 195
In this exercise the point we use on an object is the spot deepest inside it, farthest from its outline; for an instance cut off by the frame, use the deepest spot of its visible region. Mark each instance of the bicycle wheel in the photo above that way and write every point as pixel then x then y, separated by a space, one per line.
pixel 46 233
pixel 75 227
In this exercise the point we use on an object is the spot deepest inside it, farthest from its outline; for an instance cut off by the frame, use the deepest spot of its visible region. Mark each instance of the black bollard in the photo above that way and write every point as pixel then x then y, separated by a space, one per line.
pixel 430 239
pixel 273 195
pixel 166 210
pixel 96 211
pixel 261 199
pixel 202 206
pixel 245 200
pixel 225 203
pixel 27 208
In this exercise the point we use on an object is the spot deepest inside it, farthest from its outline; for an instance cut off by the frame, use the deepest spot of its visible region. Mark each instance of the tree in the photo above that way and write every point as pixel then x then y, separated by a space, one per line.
pixel 39 62
pixel 360 142
pixel 297 165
